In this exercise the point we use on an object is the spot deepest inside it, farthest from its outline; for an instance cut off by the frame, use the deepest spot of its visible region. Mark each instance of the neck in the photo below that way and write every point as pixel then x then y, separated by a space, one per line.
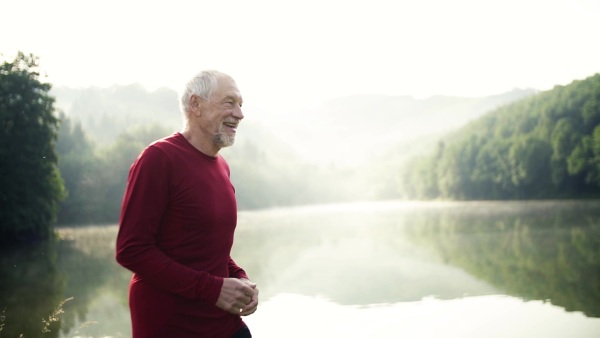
pixel 200 143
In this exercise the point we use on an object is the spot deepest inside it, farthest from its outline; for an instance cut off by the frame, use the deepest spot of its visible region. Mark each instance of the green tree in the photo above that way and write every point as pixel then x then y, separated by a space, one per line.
pixel 585 158
pixel 530 162
pixel 564 139
pixel 544 146
pixel 31 184
pixel 491 175
pixel 77 163
pixel 113 165
pixel 596 159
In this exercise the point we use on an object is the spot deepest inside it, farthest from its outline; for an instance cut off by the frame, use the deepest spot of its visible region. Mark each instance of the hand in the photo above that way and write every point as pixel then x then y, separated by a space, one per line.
pixel 236 295
pixel 251 307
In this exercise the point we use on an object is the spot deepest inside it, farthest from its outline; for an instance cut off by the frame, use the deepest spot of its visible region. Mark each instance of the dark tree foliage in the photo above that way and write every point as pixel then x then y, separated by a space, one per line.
pixel 113 168
pixel 95 178
pixel 544 146
pixel 78 166
pixel 31 288
pixel 31 187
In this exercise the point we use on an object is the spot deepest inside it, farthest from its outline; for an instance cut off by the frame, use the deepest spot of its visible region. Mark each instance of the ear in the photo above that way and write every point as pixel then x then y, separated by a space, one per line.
pixel 196 105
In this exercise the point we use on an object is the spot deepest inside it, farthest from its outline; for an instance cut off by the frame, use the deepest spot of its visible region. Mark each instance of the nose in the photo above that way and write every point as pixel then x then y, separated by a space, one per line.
pixel 237 113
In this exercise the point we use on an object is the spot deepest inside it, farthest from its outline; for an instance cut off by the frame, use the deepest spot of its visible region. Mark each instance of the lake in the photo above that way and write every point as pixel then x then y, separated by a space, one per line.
pixel 381 269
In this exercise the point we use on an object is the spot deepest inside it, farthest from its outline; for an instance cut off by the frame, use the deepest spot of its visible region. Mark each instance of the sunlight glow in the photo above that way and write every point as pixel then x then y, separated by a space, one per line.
pixel 315 49
pixel 294 315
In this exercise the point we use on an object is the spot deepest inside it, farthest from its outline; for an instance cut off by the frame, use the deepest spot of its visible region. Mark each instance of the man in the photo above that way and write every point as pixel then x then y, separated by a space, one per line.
pixel 177 224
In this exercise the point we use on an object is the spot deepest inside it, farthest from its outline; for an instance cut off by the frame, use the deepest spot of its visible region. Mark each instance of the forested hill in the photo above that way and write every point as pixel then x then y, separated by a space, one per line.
pixel 282 157
pixel 105 113
pixel 543 146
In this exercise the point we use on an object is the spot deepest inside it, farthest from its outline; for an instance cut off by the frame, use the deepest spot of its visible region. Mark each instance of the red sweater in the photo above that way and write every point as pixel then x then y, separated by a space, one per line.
pixel 176 230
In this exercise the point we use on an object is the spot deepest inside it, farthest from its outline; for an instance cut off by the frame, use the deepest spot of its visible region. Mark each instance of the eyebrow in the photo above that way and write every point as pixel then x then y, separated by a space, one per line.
pixel 233 97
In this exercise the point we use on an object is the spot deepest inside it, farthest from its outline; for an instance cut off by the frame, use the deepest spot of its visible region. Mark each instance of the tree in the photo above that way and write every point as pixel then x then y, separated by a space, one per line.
pixel 491 175
pixel 545 146
pixel 529 158
pixel 76 162
pixel 31 184
pixel 584 159
pixel 113 167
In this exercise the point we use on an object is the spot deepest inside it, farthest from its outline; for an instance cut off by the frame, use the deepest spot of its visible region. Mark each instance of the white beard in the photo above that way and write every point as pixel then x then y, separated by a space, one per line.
pixel 223 140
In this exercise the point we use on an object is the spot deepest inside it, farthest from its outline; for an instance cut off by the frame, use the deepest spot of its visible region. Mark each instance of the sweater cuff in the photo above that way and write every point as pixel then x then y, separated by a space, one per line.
pixel 213 290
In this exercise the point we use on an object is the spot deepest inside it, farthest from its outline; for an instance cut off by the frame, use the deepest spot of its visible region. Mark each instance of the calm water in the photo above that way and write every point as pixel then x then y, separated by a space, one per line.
pixel 389 269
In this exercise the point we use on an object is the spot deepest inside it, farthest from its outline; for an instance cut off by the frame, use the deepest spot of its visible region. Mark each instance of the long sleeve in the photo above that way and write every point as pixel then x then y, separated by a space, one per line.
pixel 235 271
pixel 144 205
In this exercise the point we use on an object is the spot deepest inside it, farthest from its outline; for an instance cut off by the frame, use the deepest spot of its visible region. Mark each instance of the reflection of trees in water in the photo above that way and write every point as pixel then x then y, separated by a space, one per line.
pixel 533 250
pixel 36 279
pixel 31 287
pixel 352 256
pixel 88 262
pixel 86 274
pixel 537 251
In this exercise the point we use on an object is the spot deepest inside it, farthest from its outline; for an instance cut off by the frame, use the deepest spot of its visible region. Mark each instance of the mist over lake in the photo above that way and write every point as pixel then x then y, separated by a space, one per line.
pixel 385 269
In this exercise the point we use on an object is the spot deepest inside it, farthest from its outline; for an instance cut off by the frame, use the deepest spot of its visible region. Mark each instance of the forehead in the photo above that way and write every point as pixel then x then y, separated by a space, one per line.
pixel 226 87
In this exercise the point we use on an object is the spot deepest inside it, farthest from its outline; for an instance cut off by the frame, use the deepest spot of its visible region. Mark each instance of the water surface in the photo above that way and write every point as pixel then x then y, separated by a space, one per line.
pixel 386 269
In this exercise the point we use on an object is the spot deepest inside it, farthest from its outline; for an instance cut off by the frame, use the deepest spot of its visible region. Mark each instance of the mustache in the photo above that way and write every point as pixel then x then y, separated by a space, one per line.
pixel 232 121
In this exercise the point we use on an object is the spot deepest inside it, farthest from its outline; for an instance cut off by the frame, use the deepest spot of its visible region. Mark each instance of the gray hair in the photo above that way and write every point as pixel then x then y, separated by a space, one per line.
pixel 202 84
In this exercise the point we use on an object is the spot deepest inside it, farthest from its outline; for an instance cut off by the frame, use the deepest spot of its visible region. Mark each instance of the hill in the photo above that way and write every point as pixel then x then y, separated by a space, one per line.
pixel 107 112
pixel 347 131
pixel 341 131
pixel 322 154
pixel 544 146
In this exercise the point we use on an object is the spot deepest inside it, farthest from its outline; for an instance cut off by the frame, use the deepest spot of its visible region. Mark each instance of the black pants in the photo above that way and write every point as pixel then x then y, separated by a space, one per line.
pixel 243 333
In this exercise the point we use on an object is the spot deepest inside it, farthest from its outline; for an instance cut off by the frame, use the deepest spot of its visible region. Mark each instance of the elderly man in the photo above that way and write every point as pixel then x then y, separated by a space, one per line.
pixel 177 224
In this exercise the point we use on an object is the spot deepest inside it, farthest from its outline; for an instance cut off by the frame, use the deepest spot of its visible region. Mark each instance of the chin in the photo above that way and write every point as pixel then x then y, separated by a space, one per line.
pixel 224 141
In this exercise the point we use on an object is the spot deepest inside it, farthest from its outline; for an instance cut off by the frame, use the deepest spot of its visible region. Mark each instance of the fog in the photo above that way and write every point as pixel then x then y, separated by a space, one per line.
pixel 343 149
pixel 335 82
pixel 341 91
pixel 347 131
pixel 335 133
pixel 287 54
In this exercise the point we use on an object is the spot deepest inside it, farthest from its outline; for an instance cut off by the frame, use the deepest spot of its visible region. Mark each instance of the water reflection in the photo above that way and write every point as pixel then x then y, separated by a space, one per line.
pixel 355 270
pixel 31 287
pixel 350 266
pixel 97 284
pixel 386 253
pixel 536 251
pixel 471 317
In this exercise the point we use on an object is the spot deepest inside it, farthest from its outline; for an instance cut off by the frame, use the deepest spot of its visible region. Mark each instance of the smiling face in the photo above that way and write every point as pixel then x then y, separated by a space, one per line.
pixel 218 118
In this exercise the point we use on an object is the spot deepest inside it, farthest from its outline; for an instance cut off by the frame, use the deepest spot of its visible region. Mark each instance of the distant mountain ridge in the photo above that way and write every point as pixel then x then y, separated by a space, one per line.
pixel 107 112
pixel 348 130
pixel 544 146
pixel 345 149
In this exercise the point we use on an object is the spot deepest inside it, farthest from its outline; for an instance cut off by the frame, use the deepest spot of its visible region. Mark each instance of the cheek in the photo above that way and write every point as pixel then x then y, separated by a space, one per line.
pixel 217 123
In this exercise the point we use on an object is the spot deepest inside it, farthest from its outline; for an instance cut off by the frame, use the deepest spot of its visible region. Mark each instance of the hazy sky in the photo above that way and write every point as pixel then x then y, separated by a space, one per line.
pixel 285 52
